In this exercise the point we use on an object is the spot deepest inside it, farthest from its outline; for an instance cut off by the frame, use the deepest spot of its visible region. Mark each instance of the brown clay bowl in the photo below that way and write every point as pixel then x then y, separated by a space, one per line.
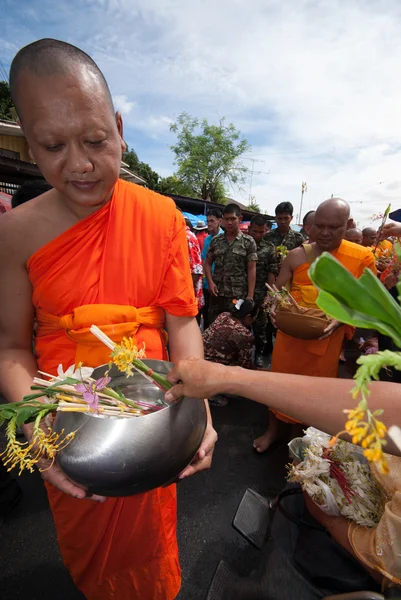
pixel 302 326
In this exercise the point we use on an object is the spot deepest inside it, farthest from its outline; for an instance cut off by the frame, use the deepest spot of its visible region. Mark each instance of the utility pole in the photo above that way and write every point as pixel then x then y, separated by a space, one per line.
pixel 253 160
pixel 304 188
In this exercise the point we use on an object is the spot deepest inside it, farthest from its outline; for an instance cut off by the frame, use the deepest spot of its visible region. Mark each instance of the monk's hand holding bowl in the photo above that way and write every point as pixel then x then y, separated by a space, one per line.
pixel 196 378
pixel 331 328
pixel 52 473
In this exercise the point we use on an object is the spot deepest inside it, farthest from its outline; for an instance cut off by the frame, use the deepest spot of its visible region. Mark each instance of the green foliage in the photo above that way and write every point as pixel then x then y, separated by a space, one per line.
pixel 174 185
pixel 163 185
pixel 362 302
pixel 370 368
pixel 6 104
pixel 208 156
pixel 254 206
pixel 142 169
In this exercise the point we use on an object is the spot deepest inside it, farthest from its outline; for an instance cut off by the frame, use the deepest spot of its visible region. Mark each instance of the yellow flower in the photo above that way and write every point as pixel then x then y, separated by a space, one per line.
pixel 124 355
pixel 381 429
pixel 373 454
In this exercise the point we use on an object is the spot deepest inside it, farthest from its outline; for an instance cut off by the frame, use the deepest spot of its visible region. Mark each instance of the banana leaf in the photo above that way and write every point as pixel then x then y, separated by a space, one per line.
pixel 362 302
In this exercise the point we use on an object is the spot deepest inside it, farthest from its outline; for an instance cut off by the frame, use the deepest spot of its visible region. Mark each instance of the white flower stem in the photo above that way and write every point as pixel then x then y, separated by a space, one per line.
pixel 102 337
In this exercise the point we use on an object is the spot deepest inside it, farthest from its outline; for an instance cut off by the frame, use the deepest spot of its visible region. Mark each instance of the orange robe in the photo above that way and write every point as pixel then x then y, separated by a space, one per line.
pixel 317 358
pixel 384 249
pixel 120 268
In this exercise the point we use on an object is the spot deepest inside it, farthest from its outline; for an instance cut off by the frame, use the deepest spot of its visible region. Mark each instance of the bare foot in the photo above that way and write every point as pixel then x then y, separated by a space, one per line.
pixel 262 443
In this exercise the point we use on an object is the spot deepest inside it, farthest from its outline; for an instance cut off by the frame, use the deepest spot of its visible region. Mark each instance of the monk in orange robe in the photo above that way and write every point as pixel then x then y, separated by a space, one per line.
pixel 93 250
pixel 320 357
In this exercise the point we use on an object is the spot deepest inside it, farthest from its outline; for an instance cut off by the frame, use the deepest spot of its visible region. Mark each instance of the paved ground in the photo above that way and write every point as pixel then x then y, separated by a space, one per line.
pixel 31 568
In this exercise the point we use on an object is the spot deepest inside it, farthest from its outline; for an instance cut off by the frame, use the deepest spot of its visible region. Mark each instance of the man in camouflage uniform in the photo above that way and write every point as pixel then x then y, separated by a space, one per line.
pixel 266 272
pixel 234 257
pixel 283 237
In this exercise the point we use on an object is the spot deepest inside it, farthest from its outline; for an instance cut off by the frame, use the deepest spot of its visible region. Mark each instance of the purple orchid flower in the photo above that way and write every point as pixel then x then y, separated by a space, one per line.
pixel 89 390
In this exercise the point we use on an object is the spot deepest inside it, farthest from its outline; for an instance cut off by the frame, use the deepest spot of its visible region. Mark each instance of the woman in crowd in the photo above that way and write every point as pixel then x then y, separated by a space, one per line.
pixel 229 340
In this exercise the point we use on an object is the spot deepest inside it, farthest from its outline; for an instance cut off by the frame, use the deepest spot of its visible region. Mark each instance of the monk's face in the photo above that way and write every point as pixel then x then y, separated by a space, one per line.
pixel 73 135
pixel 354 236
pixel 329 229
pixel 369 237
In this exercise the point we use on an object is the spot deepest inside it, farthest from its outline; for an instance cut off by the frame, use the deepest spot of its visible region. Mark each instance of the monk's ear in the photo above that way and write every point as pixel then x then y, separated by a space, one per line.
pixel 349 223
pixel 120 128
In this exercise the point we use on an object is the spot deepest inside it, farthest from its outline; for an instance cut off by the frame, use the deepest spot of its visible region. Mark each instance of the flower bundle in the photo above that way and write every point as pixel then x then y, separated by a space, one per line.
pixel 281 252
pixel 337 478
pixel 73 390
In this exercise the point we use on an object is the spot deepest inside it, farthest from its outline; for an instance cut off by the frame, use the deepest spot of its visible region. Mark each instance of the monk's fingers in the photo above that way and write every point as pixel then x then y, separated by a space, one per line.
pixel 208 443
pixel 203 458
pixel 197 466
pixel 56 477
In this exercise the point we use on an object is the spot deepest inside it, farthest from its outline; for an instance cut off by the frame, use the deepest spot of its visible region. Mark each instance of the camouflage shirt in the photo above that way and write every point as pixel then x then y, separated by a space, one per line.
pixel 290 240
pixel 231 264
pixel 266 263
pixel 285 243
pixel 228 342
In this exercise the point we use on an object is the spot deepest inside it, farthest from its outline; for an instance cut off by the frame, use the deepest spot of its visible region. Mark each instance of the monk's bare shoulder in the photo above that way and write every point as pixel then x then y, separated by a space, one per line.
pixel 25 229
pixel 296 257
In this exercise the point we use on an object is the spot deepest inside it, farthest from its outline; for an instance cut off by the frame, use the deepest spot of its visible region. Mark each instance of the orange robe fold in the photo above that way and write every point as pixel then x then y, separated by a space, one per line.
pixel 318 358
pixel 120 268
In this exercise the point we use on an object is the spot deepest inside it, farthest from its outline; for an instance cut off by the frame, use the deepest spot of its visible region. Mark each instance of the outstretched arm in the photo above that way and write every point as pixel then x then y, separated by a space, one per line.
pixel 318 401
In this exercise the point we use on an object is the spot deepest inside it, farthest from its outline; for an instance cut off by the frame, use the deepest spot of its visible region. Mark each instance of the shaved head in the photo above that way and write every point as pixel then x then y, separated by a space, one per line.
pixel 354 235
pixel 67 115
pixel 335 206
pixel 49 58
pixel 331 220
pixel 369 236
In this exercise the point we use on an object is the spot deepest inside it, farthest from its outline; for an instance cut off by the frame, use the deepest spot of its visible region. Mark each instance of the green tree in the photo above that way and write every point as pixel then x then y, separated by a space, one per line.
pixel 6 104
pixel 174 185
pixel 208 156
pixel 142 169
pixel 253 205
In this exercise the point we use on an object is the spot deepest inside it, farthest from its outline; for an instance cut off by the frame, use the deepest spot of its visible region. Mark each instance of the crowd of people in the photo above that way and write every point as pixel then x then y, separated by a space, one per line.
pixel 92 240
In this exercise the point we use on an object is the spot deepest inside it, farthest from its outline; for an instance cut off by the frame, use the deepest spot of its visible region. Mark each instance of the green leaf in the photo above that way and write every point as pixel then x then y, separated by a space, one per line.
pixel 26 413
pixel 378 412
pixel 359 302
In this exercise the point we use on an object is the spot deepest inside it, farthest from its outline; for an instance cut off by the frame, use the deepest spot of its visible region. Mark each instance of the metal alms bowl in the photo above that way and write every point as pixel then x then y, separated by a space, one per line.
pixel 114 456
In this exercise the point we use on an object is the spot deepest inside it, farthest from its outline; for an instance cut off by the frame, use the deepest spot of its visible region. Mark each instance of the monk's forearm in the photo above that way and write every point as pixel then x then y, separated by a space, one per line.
pixel 317 401
pixel 17 370
pixel 185 339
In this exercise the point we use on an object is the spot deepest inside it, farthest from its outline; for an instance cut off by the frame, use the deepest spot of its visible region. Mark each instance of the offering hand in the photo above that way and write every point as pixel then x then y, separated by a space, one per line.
pixel 389 230
pixel 195 378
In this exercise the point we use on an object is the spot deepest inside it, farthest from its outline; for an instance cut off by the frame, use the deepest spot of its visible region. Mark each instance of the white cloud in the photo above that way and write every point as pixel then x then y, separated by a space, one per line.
pixel 122 104
pixel 313 85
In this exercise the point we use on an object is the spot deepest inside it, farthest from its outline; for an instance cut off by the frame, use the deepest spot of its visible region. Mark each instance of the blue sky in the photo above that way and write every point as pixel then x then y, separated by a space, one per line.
pixel 313 85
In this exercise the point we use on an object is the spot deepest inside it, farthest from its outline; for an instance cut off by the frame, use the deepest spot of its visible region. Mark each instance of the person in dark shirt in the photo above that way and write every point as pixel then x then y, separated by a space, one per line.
pixel 229 341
